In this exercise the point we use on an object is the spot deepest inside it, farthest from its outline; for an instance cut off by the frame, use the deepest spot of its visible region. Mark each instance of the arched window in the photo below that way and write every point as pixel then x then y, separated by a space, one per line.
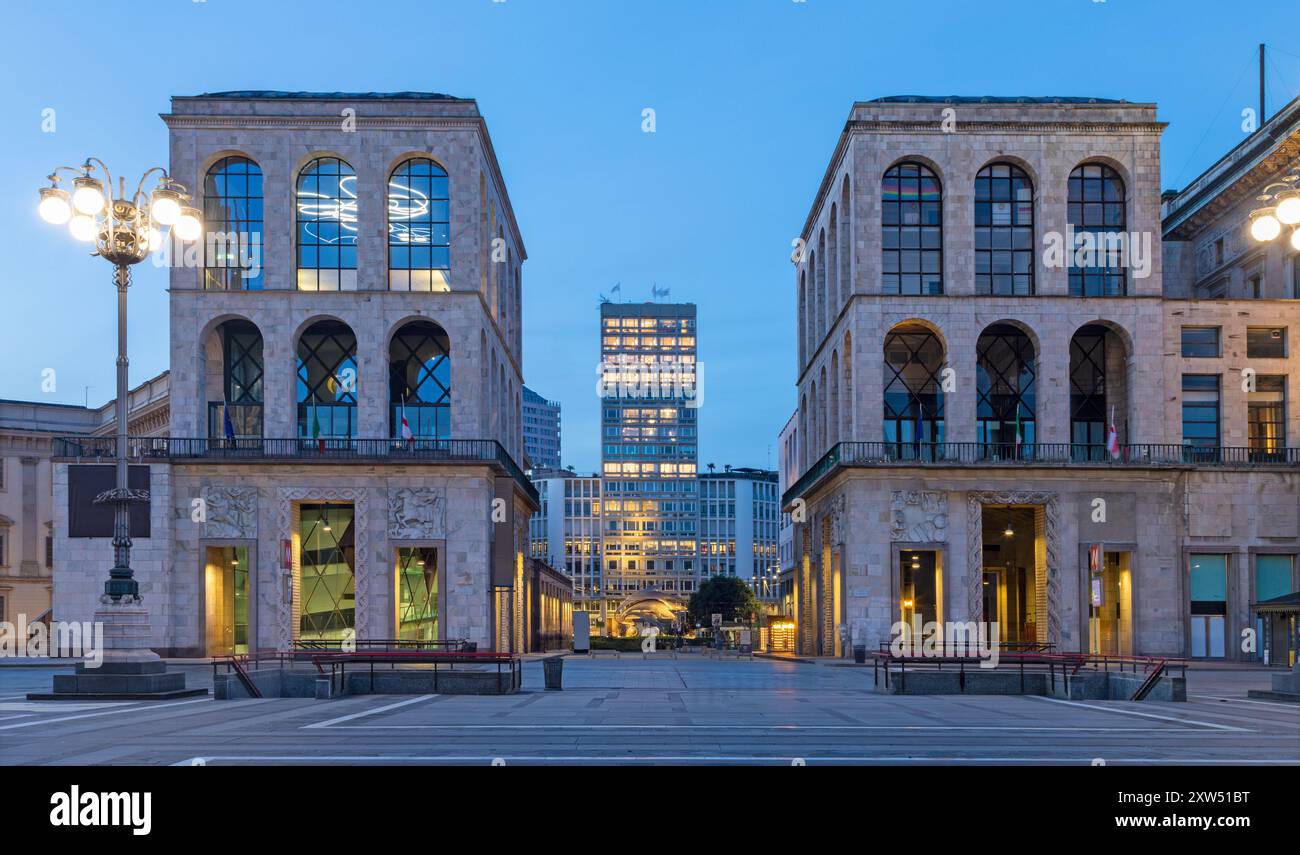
pixel 327 226
pixel 241 383
pixel 232 216
pixel 1004 377
pixel 1096 211
pixel 911 239
pixel 1088 391
pixel 914 405
pixel 327 381
pixel 1004 231
pixel 419 227
pixel 419 381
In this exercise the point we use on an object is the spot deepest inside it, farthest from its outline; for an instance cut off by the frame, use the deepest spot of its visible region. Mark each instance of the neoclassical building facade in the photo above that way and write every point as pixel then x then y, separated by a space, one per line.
pixel 345 387
pixel 1018 404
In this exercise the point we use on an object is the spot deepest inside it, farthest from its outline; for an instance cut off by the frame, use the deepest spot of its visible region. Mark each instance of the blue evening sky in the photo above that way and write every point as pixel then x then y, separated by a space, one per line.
pixel 750 96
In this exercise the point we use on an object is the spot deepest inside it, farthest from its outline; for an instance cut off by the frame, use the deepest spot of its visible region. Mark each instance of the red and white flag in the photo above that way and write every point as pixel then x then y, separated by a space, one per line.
pixel 1112 438
pixel 406 428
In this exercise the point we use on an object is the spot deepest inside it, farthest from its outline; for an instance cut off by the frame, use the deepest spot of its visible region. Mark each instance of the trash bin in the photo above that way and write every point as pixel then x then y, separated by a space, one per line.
pixel 860 654
pixel 553 668
pixel 469 647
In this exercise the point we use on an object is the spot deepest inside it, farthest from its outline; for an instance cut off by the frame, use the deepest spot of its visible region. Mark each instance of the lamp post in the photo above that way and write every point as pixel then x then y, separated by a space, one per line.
pixel 123 231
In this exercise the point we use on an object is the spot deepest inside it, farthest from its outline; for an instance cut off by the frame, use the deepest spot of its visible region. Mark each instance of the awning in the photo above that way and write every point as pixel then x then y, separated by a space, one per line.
pixel 1287 604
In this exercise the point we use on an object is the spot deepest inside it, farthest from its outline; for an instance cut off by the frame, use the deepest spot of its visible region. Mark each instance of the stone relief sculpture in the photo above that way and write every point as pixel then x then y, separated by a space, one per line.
pixel 918 516
pixel 837 508
pixel 230 512
pixel 416 513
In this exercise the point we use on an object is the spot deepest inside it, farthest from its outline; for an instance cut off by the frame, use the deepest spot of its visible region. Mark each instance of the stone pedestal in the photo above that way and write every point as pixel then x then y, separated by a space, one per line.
pixel 129 670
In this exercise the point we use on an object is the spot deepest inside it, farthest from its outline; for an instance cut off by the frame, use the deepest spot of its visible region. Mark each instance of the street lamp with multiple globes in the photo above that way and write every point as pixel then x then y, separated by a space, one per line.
pixel 123 231
pixel 1281 208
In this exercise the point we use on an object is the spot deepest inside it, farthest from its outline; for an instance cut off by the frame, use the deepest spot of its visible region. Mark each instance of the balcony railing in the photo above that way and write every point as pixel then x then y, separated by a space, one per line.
pixel 323 450
pixel 903 454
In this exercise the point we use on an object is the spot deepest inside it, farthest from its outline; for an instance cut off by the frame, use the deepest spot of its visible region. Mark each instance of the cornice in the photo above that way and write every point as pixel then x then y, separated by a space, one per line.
pixel 935 128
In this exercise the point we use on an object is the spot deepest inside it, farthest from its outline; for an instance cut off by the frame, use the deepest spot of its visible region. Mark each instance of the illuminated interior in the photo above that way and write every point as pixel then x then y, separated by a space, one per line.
pixel 226 577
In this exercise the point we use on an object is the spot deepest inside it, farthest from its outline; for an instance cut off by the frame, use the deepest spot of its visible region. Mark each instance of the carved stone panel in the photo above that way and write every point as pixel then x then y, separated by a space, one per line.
pixel 918 516
pixel 231 512
pixel 417 513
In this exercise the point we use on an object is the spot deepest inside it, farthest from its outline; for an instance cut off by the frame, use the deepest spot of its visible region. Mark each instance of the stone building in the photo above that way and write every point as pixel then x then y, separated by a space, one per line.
pixel 1009 413
pixel 27 433
pixel 345 388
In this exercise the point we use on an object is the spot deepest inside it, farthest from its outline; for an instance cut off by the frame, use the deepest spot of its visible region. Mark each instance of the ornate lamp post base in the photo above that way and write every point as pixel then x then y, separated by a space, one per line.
pixel 130 671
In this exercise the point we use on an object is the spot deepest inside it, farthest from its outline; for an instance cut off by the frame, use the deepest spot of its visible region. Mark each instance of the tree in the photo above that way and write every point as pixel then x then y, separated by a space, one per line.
pixel 725 595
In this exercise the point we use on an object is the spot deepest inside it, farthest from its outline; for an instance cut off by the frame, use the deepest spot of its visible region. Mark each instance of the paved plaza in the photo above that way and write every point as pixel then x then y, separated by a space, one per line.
pixel 660 711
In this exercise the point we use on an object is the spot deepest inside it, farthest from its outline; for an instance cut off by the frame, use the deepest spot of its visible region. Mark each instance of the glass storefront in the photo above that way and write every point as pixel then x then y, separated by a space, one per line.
pixel 1208 593
pixel 1110 602
pixel 417 593
pixel 920 585
pixel 1274 577
pixel 226 599
pixel 326 577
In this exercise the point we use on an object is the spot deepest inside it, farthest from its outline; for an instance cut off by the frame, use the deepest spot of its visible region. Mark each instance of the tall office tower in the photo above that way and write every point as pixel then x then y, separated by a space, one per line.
pixel 650 393
pixel 541 431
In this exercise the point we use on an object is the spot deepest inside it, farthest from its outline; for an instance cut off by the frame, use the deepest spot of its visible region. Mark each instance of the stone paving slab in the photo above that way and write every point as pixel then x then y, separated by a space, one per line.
pixel 656 712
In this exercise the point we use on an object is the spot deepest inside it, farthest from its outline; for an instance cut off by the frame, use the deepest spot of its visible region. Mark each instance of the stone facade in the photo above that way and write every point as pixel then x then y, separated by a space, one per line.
pixel 467 505
pixel 1158 514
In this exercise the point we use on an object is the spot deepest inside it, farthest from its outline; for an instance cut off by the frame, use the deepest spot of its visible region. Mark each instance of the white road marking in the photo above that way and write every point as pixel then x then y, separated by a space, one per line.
pixel 362 714
pixel 691 758
pixel 754 727
pixel 1142 714
pixel 9 717
pixel 104 712
pixel 61 706
pixel 1280 704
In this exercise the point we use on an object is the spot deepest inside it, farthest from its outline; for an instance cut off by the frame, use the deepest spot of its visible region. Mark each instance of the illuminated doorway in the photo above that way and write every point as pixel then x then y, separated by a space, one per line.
pixel 226 599
pixel 326 576
pixel 1014 586
pixel 417 593
pixel 1110 606
pixel 920 586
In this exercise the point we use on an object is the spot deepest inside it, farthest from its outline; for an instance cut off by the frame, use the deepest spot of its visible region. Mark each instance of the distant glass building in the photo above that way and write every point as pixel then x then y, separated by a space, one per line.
pixel 541 431
pixel 649 454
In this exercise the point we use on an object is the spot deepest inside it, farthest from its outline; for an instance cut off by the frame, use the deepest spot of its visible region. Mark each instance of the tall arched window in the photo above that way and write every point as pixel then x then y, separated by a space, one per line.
pixel 1004 231
pixel 232 214
pixel 327 226
pixel 1096 211
pixel 419 227
pixel 1004 377
pixel 327 381
pixel 1088 390
pixel 911 239
pixel 241 383
pixel 419 381
pixel 914 406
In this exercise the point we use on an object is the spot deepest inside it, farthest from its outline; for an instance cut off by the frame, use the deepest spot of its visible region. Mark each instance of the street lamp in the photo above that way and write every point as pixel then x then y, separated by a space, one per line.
pixel 123 231
pixel 1280 208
